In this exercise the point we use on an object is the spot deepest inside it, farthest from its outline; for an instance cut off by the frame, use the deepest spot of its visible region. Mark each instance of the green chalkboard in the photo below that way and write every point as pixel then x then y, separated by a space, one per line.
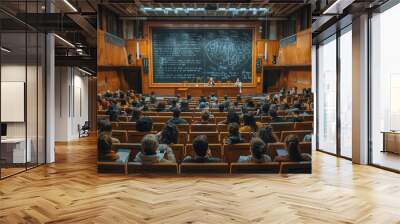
pixel 194 55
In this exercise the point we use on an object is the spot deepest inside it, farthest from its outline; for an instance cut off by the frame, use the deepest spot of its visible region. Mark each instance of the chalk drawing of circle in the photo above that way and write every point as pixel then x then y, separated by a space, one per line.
pixel 227 53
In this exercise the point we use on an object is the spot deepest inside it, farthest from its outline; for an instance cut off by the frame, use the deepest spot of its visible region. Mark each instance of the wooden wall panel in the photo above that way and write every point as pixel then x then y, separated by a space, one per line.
pixel 111 80
pixel 109 54
pixel 298 53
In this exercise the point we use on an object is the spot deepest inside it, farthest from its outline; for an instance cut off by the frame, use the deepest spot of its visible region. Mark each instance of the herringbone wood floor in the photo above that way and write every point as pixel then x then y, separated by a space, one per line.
pixel 70 191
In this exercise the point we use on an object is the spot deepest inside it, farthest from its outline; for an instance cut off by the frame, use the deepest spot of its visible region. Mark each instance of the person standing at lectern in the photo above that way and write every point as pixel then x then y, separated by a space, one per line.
pixel 238 84
pixel 211 82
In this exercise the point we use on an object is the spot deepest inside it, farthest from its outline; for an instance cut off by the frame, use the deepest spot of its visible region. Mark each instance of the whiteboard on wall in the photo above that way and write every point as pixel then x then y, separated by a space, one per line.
pixel 12 101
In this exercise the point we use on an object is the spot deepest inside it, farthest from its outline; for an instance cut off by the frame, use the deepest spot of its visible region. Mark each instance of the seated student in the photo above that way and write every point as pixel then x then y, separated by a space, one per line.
pixel 104 149
pixel 203 106
pixel 231 117
pixel 153 98
pixel 257 153
pixel 105 128
pixel 160 107
pixel 176 117
pixel 238 98
pixel 202 99
pixel 202 152
pixel 204 119
pixel 221 108
pixel 173 105
pixel 249 103
pixel 153 152
pixel 189 97
pixel 264 110
pixel 185 106
pixel 169 134
pixel 293 150
pixel 234 135
pixel 274 117
pixel 250 124
pixel 213 98
pixel 144 124
pixel 114 117
pixel 266 134
pixel 136 115
pixel 295 117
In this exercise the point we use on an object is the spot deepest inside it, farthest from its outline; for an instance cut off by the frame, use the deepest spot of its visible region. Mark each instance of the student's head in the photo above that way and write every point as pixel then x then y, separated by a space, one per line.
pixel 184 104
pixel 205 116
pixel 160 106
pixel 233 129
pixel 225 97
pixel 250 103
pixel 144 124
pixel 136 114
pixel 149 144
pixel 104 126
pixel 249 120
pixel 273 113
pixel 176 113
pixel 265 108
pixel 200 145
pixel 173 102
pixel 238 98
pixel 257 148
pixel 221 107
pixel 104 143
pixel 114 116
pixel 169 134
pixel 266 134
pixel 232 117
pixel 292 146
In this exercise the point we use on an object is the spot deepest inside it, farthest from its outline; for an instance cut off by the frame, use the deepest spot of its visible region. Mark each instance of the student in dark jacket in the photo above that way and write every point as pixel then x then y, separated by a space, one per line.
pixel 201 151
pixel 144 124
pixel 266 134
pixel 153 152
pixel 293 150
pixel 274 117
pixel 234 135
pixel 136 115
pixel 257 153
pixel 231 117
pixel 176 117
pixel 169 134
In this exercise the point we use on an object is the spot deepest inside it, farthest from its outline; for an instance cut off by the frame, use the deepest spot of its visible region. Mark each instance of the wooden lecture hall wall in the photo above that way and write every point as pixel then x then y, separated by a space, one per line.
pixel 111 58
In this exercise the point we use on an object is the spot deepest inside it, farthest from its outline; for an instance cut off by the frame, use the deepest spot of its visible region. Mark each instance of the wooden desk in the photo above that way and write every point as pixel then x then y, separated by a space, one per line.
pixel 391 141
pixel 181 91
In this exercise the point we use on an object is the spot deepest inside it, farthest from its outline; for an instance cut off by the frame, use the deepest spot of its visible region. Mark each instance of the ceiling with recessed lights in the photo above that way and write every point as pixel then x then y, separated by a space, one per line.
pixel 216 8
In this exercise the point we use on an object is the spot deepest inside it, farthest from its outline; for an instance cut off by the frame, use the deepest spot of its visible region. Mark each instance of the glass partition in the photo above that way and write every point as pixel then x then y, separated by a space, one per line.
pixel 385 89
pixel 22 107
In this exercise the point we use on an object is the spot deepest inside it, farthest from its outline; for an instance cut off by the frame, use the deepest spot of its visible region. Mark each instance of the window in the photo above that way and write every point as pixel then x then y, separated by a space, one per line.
pixel 345 42
pixel 327 95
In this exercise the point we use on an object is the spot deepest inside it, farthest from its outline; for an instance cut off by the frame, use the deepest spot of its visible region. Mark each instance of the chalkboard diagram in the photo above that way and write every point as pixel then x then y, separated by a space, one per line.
pixel 193 55
pixel 224 52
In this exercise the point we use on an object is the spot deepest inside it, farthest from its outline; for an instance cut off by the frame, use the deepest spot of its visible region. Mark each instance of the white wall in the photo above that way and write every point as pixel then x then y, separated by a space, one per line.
pixel 71 102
